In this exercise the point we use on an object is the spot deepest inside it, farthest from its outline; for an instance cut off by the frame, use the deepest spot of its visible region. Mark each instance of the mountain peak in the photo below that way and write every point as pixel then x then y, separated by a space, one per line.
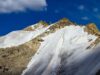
pixel 65 21
pixel 49 46
pixel 93 26
pixel 92 29
pixel 40 24
pixel 43 23
pixel 61 24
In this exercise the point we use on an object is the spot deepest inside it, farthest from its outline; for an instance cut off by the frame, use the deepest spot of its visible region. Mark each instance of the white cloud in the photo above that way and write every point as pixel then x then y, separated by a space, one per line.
pixel 56 11
pixel 95 9
pixel 7 6
pixel 81 7
pixel 85 18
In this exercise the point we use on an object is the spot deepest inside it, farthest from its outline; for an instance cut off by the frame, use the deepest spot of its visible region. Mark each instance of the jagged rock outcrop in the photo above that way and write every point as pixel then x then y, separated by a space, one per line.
pixel 61 24
pixel 92 29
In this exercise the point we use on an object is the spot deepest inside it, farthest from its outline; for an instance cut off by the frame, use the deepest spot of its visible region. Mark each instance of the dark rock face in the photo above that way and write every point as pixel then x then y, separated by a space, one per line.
pixel 98 72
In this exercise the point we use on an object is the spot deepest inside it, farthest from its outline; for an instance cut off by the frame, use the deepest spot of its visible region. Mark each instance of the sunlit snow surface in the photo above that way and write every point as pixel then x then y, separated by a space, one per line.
pixel 16 38
pixel 65 53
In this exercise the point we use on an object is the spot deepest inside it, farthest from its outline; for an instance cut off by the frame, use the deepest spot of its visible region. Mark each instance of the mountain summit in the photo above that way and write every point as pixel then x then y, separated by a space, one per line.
pixel 62 48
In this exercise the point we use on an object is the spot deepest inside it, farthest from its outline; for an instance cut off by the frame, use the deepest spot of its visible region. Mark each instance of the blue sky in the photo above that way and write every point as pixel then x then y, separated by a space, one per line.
pixel 27 12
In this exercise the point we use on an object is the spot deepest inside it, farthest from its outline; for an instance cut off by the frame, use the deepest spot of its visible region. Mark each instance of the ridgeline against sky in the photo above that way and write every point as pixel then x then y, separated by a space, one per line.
pixel 15 15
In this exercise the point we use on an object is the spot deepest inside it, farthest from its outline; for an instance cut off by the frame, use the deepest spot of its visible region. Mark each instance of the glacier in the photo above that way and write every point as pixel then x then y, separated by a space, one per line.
pixel 66 52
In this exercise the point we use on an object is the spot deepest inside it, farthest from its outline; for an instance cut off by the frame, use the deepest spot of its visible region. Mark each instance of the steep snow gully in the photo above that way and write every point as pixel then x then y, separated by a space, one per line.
pixel 65 52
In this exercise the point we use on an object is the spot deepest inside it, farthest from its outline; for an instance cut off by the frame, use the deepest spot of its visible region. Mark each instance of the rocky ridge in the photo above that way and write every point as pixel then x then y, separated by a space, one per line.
pixel 15 59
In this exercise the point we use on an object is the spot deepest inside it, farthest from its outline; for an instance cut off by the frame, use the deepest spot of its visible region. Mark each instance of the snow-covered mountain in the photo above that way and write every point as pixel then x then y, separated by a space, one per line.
pixel 62 48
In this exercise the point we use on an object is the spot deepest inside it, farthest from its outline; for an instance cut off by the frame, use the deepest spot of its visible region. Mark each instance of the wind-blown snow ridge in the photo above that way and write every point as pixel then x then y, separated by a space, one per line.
pixel 65 53
pixel 16 38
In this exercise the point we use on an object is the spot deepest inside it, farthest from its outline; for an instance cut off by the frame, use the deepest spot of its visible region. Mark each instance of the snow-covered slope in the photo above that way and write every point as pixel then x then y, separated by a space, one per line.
pixel 36 26
pixel 16 38
pixel 66 52
pixel 62 48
